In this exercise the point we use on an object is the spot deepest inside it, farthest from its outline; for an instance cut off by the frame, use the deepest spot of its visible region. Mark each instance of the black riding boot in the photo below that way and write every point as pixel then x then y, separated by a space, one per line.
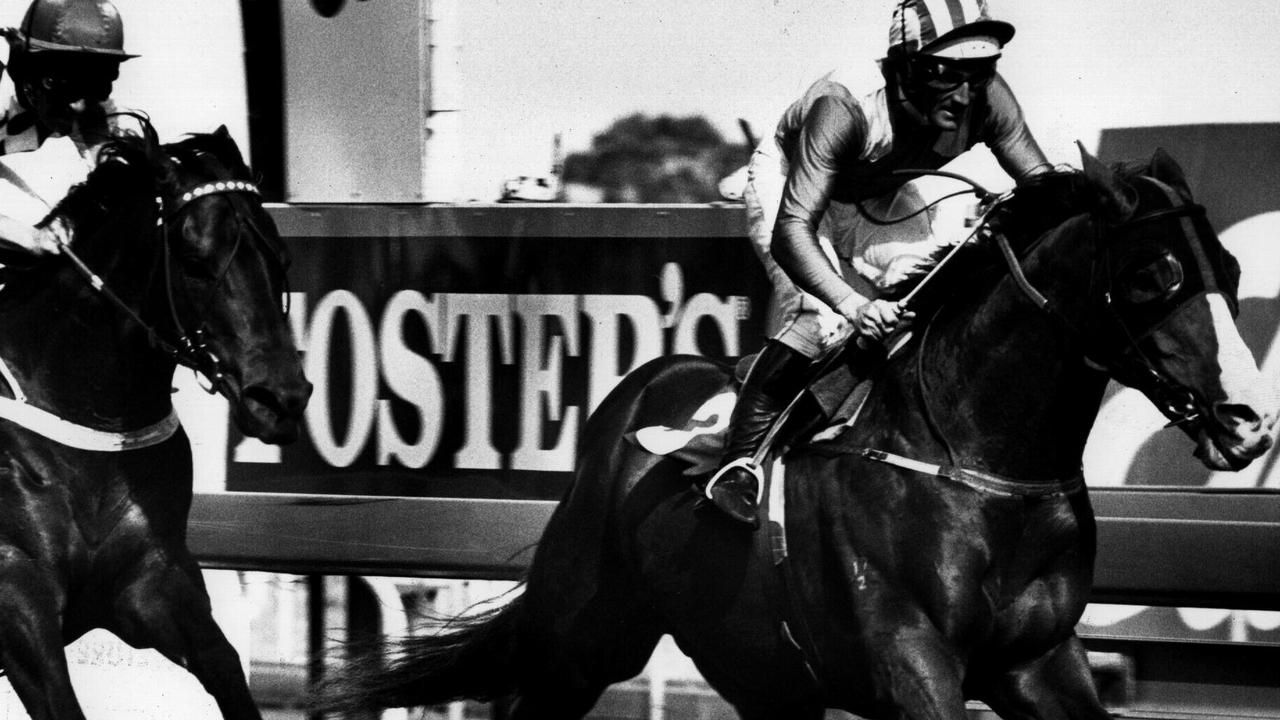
pixel 775 378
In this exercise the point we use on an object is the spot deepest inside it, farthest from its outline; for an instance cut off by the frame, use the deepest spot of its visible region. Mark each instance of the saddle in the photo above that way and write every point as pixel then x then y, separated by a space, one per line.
pixel 827 406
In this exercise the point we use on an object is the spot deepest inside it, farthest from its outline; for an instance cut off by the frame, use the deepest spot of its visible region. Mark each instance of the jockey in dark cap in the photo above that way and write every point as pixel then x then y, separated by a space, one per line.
pixel 63 59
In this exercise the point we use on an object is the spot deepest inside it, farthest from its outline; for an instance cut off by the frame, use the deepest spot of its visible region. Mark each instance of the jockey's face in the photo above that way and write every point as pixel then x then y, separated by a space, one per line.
pixel 69 91
pixel 941 89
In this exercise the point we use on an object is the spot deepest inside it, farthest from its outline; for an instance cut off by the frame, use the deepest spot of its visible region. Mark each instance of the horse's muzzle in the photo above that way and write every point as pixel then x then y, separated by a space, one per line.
pixel 1234 437
pixel 273 412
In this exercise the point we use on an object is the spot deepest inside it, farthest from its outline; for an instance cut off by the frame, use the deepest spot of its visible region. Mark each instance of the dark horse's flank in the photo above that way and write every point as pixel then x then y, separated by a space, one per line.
pixel 95 538
pixel 910 589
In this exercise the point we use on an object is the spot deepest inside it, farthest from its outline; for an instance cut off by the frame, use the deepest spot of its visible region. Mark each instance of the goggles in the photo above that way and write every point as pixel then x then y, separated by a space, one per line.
pixel 946 74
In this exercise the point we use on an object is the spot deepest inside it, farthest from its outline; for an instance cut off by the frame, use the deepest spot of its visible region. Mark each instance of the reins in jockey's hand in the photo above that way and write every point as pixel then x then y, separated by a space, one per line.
pixel 988 203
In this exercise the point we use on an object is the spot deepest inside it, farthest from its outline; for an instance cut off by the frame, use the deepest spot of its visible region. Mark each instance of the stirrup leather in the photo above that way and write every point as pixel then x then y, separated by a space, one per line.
pixel 746 463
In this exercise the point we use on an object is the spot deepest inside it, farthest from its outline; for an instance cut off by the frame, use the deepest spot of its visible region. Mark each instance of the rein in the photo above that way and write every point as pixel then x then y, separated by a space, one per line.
pixel 190 348
pixel 1176 403
pixel 985 196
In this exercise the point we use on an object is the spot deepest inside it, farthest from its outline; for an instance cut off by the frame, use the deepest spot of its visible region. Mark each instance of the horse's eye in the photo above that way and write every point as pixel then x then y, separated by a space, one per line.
pixel 1149 279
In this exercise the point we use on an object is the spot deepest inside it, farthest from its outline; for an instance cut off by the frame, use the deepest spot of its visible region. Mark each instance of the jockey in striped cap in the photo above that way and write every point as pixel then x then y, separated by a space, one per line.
pixel 957 29
pixel 936 45
pixel 835 271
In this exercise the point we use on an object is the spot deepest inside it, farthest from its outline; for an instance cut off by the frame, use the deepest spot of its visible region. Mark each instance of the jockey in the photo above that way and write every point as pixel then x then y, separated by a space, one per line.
pixel 63 60
pixel 935 95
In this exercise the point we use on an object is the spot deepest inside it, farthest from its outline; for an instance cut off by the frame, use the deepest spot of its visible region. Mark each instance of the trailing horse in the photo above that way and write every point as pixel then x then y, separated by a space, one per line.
pixel 174 261
pixel 941 548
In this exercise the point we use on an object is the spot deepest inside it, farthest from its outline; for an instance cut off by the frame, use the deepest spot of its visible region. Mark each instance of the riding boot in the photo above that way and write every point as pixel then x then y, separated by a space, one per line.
pixel 775 378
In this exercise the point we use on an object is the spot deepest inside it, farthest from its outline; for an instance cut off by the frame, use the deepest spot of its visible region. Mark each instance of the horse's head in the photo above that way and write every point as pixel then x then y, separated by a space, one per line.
pixel 224 278
pixel 1162 312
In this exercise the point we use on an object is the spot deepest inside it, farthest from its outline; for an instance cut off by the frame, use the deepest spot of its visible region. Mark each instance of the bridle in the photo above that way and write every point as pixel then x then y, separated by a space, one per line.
pixel 189 348
pixel 1176 402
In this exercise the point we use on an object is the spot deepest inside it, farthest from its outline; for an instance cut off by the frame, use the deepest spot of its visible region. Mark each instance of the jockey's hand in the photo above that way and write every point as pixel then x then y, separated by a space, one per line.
pixel 875 320
pixel 49 239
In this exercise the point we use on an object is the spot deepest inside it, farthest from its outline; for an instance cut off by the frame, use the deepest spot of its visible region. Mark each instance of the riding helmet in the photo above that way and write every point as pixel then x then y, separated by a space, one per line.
pixel 86 27
pixel 958 29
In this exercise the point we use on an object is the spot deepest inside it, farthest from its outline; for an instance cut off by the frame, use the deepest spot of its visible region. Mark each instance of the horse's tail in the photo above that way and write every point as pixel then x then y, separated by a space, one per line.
pixel 471 658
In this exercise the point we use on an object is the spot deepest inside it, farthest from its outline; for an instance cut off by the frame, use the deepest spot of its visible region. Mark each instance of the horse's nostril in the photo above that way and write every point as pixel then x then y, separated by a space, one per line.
pixel 1238 416
pixel 286 401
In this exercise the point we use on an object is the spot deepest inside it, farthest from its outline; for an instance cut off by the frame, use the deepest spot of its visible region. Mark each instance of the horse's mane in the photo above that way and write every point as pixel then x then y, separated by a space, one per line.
pixel 117 193
pixel 136 162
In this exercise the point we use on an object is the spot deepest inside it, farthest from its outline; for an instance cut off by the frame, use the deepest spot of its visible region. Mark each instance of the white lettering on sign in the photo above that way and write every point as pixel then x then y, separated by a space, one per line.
pixel 542 358
pixel 387 379
pixel 363 382
pixel 474 315
pixel 411 377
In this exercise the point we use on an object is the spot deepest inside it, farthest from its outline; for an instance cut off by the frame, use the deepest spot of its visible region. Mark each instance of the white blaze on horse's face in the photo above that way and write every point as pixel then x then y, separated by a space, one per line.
pixel 1244 417
pixel 1200 349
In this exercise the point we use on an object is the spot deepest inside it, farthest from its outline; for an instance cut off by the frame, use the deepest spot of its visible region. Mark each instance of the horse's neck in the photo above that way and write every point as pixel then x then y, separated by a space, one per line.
pixel 1007 387
pixel 77 357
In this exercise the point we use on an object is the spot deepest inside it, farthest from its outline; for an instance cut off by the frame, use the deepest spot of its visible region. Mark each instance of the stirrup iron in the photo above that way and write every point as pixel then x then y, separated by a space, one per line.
pixel 746 463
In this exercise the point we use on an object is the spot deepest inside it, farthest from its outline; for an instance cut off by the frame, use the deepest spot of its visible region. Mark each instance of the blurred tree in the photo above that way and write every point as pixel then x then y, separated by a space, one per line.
pixel 663 159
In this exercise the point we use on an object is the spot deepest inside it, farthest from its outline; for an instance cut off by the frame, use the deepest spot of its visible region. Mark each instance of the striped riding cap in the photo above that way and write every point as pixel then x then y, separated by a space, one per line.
pixel 959 29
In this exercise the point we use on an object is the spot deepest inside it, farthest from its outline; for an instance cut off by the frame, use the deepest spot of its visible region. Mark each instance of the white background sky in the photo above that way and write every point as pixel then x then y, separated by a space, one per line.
pixel 533 68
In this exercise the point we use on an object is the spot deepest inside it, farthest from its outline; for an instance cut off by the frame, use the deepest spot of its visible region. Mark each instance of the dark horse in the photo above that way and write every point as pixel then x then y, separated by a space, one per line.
pixel 95 479
pixel 942 549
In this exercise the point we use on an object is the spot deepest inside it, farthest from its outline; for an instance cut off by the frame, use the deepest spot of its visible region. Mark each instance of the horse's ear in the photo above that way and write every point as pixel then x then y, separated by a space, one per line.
pixel 1103 179
pixel 1164 168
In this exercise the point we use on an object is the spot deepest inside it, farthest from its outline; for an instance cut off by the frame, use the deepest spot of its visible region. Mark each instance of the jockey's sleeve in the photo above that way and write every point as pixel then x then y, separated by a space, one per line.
pixel 16 234
pixel 833 129
pixel 1008 136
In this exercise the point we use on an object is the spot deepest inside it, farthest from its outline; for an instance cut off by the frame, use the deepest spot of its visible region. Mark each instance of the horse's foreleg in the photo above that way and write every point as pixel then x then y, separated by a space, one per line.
pixel 917 677
pixel 31 651
pixel 1055 686
pixel 167 607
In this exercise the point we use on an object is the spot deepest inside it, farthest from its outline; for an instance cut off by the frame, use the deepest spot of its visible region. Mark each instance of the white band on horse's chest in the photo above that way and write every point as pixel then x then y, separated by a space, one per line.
pixel 43 422
pixel 82 437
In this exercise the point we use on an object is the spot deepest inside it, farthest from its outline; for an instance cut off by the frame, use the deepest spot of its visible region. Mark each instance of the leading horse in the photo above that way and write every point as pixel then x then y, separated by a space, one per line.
pixel 174 261
pixel 940 549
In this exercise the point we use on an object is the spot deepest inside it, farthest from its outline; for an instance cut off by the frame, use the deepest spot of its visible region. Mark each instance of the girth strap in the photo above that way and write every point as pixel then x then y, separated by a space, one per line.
pixel 978 480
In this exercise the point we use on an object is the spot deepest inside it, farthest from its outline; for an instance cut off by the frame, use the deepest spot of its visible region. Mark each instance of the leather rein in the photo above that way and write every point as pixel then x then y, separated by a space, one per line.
pixel 1176 402
pixel 189 348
